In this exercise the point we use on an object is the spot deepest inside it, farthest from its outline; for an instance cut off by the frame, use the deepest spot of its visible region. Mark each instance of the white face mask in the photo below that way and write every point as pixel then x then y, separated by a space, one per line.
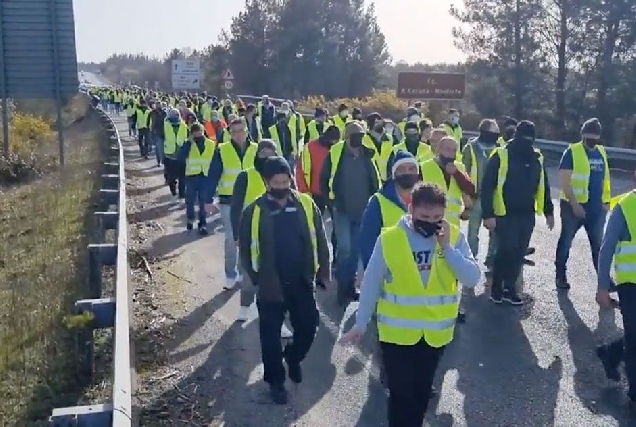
pixel 285 111
pixel 454 119
pixel 414 118
pixel 344 113
pixel 389 130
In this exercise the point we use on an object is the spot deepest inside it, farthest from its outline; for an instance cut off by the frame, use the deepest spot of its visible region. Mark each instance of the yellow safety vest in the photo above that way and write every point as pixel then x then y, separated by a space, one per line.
pixel 408 309
pixel 307 204
pixel 335 154
pixel 341 123
pixel 501 142
pixel 173 138
pixel 625 254
pixel 197 162
pixel 142 119
pixel 273 132
pixel 255 186
pixel 432 174
pixel 581 174
pixel 499 205
pixel 130 110
pixel 456 133
pixel 313 130
pixel 381 158
pixel 423 153
pixel 232 165
pixel 389 211
pixel 305 159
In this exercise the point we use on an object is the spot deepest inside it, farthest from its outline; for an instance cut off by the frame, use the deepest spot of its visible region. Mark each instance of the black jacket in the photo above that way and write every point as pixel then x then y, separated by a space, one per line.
pixel 522 181
pixel 267 279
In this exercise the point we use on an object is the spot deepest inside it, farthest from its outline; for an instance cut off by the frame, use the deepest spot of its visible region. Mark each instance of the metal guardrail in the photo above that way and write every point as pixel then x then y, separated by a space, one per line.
pixel 621 158
pixel 113 312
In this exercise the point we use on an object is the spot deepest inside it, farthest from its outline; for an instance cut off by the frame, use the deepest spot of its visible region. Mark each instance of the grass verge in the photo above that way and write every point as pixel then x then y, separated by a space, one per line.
pixel 43 267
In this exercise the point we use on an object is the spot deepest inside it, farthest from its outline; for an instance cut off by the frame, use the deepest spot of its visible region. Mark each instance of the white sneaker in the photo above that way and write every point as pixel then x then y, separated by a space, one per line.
pixel 285 332
pixel 230 283
pixel 243 314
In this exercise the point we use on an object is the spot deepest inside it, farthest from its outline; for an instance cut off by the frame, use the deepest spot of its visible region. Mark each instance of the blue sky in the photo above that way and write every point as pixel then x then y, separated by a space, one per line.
pixel 419 30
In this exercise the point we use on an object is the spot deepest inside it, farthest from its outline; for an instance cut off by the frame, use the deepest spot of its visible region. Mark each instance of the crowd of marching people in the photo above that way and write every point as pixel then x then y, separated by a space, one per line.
pixel 396 194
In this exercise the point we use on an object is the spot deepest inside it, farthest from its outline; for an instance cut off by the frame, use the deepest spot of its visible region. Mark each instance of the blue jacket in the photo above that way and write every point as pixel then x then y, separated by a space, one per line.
pixel 371 224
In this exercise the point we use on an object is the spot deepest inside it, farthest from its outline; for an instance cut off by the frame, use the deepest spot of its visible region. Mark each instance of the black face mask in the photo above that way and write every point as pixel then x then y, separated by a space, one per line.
pixel 412 139
pixel 378 128
pixel 279 193
pixel 508 133
pixel 355 140
pixel 259 163
pixel 489 138
pixel 446 160
pixel 425 228
pixel 406 181
pixel 591 143
pixel 199 139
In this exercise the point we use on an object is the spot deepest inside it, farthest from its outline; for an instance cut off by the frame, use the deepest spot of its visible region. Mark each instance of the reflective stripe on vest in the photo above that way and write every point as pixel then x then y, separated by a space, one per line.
pixel 423 153
pixel 390 212
pixel 142 119
pixel 432 174
pixel 232 165
pixel 381 158
pixel 197 162
pixel 499 205
pixel 255 186
pixel 581 174
pixel 625 253
pixel 307 204
pixel 474 167
pixel 409 310
pixel 173 137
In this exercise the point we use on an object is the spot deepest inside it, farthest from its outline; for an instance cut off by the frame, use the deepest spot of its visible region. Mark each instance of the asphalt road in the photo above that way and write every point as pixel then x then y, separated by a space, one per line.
pixel 507 367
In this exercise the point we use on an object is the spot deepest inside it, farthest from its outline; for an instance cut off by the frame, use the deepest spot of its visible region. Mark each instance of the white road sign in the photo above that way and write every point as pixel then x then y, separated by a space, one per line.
pixel 228 75
pixel 186 74
pixel 185 82
pixel 228 84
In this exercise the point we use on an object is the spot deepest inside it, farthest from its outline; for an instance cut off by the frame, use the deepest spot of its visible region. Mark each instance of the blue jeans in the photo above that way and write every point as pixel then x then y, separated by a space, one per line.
pixel 570 224
pixel 231 252
pixel 158 142
pixel 132 126
pixel 474 225
pixel 347 255
pixel 195 194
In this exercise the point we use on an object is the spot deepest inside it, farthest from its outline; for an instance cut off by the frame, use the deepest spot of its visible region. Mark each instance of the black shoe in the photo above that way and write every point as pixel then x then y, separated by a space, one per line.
pixel 203 231
pixel 294 372
pixel 173 191
pixel 529 262
pixel 511 298
pixel 461 316
pixel 355 295
pixel 530 251
pixel 189 226
pixel 610 367
pixel 562 283
pixel 278 393
pixel 496 295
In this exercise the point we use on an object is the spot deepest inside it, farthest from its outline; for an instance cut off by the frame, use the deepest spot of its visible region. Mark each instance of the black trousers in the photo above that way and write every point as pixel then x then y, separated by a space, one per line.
pixel 410 370
pixel 174 172
pixel 303 314
pixel 624 349
pixel 143 136
pixel 513 238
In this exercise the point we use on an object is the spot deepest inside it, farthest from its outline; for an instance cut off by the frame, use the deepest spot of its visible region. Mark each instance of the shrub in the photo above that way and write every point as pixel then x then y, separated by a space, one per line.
pixel 389 106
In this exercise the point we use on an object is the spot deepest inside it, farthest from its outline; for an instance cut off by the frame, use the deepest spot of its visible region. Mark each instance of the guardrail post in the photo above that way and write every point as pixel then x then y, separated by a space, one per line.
pixel 106 312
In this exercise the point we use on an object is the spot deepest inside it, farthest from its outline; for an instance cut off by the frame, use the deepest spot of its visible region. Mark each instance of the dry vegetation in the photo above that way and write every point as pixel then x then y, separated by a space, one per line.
pixel 45 213
pixel 390 106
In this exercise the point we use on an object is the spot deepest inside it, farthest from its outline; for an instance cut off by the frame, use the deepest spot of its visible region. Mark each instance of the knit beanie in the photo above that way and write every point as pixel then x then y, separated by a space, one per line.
pixel 525 130
pixel 274 166
pixel 266 144
pixel 402 157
